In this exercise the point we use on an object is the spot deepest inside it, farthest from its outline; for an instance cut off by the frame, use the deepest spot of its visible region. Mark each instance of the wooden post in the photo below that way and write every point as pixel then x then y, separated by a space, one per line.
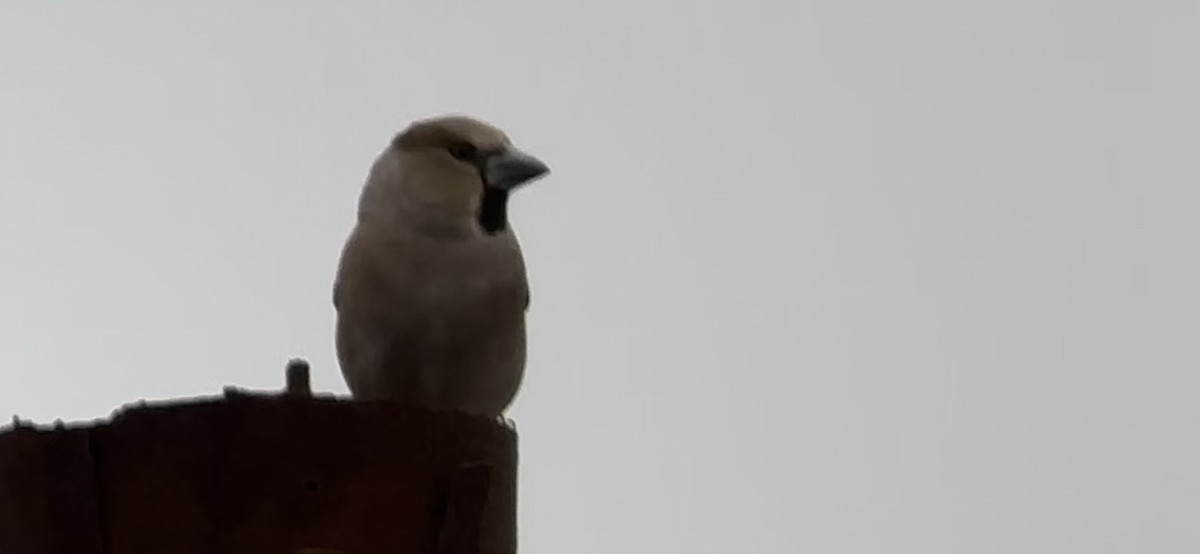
pixel 255 473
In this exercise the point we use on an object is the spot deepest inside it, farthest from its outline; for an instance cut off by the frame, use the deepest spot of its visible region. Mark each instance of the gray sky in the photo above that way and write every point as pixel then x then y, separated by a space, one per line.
pixel 818 276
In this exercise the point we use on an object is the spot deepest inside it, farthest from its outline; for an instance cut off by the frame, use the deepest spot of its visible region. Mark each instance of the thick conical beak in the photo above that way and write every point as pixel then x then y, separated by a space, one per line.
pixel 511 168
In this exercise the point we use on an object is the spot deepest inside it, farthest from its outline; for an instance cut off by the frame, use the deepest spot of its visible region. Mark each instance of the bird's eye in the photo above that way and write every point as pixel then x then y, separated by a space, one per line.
pixel 464 151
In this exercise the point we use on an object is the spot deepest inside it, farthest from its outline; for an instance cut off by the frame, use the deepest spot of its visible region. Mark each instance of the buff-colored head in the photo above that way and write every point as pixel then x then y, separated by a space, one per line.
pixel 447 174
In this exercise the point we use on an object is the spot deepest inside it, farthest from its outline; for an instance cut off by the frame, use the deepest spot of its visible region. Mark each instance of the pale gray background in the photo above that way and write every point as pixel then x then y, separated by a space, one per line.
pixel 820 276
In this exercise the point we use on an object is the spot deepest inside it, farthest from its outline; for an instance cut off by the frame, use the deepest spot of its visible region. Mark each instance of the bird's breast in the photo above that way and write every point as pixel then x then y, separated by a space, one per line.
pixel 458 283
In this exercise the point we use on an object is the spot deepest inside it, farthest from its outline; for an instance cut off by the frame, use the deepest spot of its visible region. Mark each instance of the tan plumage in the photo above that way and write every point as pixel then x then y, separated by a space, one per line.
pixel 431 289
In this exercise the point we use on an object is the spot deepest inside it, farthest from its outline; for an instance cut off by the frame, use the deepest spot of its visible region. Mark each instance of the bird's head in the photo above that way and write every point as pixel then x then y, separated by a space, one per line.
pixel 448 173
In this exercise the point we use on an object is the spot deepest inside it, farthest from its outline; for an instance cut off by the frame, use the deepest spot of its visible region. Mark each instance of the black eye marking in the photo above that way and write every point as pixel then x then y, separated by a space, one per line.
pixel 462 150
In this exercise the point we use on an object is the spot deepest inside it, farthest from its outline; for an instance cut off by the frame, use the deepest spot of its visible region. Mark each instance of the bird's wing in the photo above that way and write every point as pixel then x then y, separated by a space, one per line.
pixel 527 295
pixel 376 335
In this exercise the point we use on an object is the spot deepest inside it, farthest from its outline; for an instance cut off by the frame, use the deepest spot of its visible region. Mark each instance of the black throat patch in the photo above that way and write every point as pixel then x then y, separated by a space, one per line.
pixel 493 210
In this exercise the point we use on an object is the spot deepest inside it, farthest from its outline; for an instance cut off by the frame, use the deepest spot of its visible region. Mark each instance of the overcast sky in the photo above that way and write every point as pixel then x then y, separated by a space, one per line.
pixel 808 276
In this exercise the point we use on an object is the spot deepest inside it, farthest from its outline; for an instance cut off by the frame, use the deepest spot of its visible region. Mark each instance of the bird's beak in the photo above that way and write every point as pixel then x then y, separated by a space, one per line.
pixel 511 168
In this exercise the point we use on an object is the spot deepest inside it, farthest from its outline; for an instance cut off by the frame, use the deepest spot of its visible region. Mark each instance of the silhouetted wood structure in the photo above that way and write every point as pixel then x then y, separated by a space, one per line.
pixel 261 473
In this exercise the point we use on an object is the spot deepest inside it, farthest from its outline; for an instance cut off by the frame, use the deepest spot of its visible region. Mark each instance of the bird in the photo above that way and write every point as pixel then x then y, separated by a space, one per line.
pixel 431 290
